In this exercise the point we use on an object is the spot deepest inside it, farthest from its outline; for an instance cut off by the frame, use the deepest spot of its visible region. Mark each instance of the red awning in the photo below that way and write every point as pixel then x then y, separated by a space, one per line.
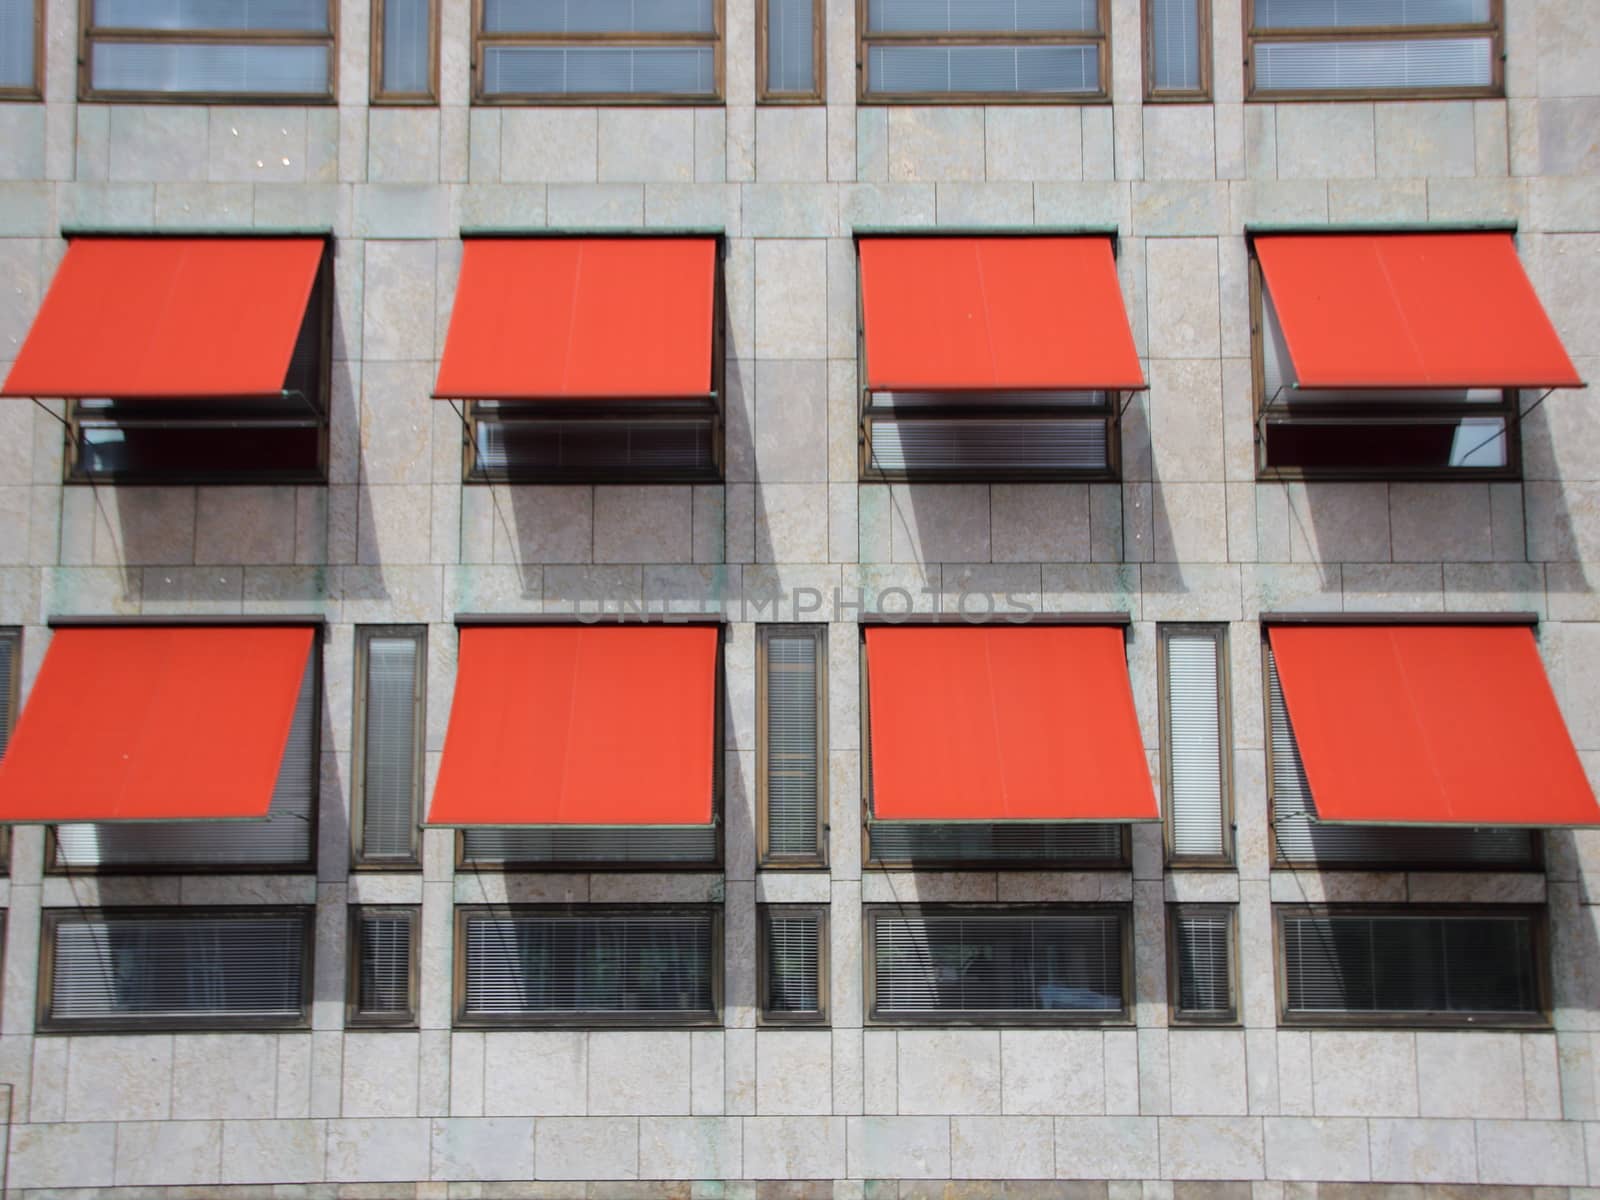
pixel 581 318
pixel 169 317
pixel 1004 723
pixel 995 314
pixel 580 725
pixel 155 724
pixel 1429 725
pixel 1411 310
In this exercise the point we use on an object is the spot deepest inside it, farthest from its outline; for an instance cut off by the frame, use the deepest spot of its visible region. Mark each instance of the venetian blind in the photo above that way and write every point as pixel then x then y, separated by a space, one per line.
pixel 1205 961
pixel 794 968
pixel 1195 743
pixel 8 683
pixel 590 844
pixel 384 945
pixel 792 752
pixel 981 16
pixel 1023 69
pixel 1374 65
pixel 389 758
pixel 791 46
pixel 1367 14
pixel 1175 41
pixel 407 40
pixel 926 444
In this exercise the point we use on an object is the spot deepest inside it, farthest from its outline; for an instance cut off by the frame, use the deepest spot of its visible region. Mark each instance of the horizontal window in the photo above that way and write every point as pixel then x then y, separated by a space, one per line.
pixel 591 845
pixel 1056 965
pixel 794 964
pixel 1015 843
pixel 1412 966
pixel 208 49
pixel 21 35
pixel 1203 963
pixel 589 966
pixel 523 441
pixel 175 969
pixel 383 965
pixel 1063 435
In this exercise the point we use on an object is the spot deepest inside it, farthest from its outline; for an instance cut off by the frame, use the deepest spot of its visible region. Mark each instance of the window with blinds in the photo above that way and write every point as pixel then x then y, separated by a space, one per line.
pixel 405 52
pixel 998 965
pixel 591 845
pixel 589 966
pixel 917 51
pixel 789 51
pixel 10 680
pixel 514 441
pixel 1004 435
pixel 383 966
pixel 1196 742
pixel 200 50
pixel 1202 963
pixel 1411 966
pixel 1299 841
pixel 390 689
pixel 1177 49
pixel 285 840
pixel 175 969
pixel 790 750
pixel 21 30
pixel 638 51
pixel 793 958
pixel 1318 48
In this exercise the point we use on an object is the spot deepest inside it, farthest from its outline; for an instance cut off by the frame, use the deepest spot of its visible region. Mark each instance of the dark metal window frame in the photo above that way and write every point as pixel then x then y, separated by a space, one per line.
pixel 866 40
pixel 1536 915
pixel 10 702
pixel 817 95
pixel 358 747
pixel 596 1020
pixel 1160 95
pixel 36 92
pixel 1176 1013
pixel 354 1016
pixel 1494 28
pixel 819 636
pixel 991 1019
pixel 50 918
pixel 89 35
pixel 318 407
pixel 380 96
pixel 1218 632
pixel 716 39
pixel 770 1016
pixel 1366 413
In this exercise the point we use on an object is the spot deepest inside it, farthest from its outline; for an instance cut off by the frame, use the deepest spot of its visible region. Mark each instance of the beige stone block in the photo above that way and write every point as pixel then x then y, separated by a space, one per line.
pixel 1033 143
pixel 471 1149
pixel 1191 522
pixel 899 1147
pixel 273 1151
pixel 848 1064
pixel 642 524
pixel 1183 299
pixel 62 1156
pixel 638 144
pixel 1211 1147
pixel 794 1147
pixel 1106 1148
pixel 398 313
pixel 119 1078
pixel 395 524
pixel 1179 142
pixel 1322 141
pixel 223 1075
pixel 380 1075
pixel 253 525
pixel 791 523
pixel 403 145
pixel 933 143
pixel 1423 1151
pixel 791 421
pixel 789 210
pixel 1364 1074
pixel 1378 201
pixel 949 1071
pixel 168 1153
pixel 638 1072
pixel 397 420
pixel 1208 1072
pixel 587 1148
pixel 880 1064
pixel 1040 522
pixel 377 1150
pixel 1430 522
pixel 1568 49
pixel 1316 1148
pixel 1437 138
pixel 984 204
pixel 549 145
pixel 1339 522
pixel 1542 1153
pixel 940 523
pixel 535 1073
pixel 1476 1074
pixel 255 145
pixel 690 1148
pixel 791 144
pixel 794 1071
pixel 1283 201
pixel 1002 1147
pixel 1052 1071
pixel 790 294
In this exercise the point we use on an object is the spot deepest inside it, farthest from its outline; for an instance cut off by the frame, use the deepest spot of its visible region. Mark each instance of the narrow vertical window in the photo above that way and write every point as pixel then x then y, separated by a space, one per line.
pixel 789 745
pixel 383 966
pixel 1195 742
pixel 789 51
pixel 20 24
pixel 405 52
pixel 794 964
pixel 388 739
pixel 10 676
pixel 1177 59
pixel 1202 958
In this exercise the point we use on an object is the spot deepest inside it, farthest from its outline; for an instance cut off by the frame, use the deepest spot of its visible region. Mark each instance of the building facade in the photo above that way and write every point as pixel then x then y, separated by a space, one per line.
pixel 1207 1054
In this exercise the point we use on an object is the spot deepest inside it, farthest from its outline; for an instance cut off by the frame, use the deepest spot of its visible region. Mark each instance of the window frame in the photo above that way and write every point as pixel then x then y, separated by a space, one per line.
pixel 36 92
pixel 1495 29
pixel 717 40
pixel 1158 95
pixel 865 40
pixel 589 1021
pixel 775 1017
pixel 819 24
pixel 1538 919
pixel 380 96
pixel 1365 412
pixel 354 1016
pixel 88 36
pixel 765 857
pixel 52 917
pixel 10 703
pixel 1178 1015
pixel 1218 631
pixel 364 634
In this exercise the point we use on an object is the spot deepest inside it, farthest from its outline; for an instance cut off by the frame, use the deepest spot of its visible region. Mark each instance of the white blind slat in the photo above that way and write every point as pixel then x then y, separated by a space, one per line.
pixel 1194 743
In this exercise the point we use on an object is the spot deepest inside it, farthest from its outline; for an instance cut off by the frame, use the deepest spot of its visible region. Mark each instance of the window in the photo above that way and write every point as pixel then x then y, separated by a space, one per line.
pixel 961 51
pixel 10 688
pixel 390 694
pixel 583 51
pixel 793 964
pixel 789 51
pixel 285 841
pixel 1299 841
pixel 1201 983
pixel 997 965
pixel 1412 966
pixel 1373 433
pixel 595 847
pixel 519 441
pixel 405 51
pixel 1177 50
pixel 1196 743
pixel 933 436
pixel 21 49
pixel 207 50
pixel 1335 49
pixel 589 966
pixel 175 969
pixel 791 768
pixel 383 966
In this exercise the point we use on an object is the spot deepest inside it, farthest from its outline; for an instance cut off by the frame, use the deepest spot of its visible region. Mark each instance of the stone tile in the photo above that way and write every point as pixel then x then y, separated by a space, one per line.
pixel 587 1148
pixel 1179 142
pixel 1191 522
pixel 1477 1074
pixel 1423 1151
pixel 223 1075
pixel 273 1151
pixel 1033 143
pixel 1107 1148
pixel 1184 314
pixel 170 1153
pixel 638 144
pixel 380 1075
pixel 949 1071
pixel 1002 1147
pixel 791 144
pixel 794 1071
pixel 119 1078
pixel 1426 140
pixel 482 1148
pixel 378 1150
pixel 1208 1072
pixel 255 145
pixel 899 1147
pixel 791 523
pixel 690 1148
pixel 535 1073
pixel 935 144
pixel 1543 1153
pixel 795 1147
pixel 1316 1148
pixel 1339 522
pixel 62 1156
pixel 1040 522
pixel 790 294
pixel 252 525
pixel 1211 1148
pixel 940 522
pixel 549 145
pixel 1430 522
pixel 791 401
pixel 643 524
pixel 1186 424
pixel 1365 1074
pixel 1322 141
pixel 398 311
pixel 1051 1071
pixel 403 145
pixel 645 1072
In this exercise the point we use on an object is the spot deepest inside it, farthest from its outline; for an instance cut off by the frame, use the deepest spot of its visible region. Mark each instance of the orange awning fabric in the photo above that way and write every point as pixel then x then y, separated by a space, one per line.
pixel 1411 310
pixel 163 317
pixel 1429 725
pixel 1004 723
pixel 155 724
pixel 580 725
pixel 995 314
pixel 581 318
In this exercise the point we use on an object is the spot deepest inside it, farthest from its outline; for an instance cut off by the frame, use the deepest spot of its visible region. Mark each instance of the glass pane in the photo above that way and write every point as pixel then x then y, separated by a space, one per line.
pixel 602 70
pixel 1205 974
pixel 389 750
pixel 1351 14
pixel 385 964
pixel 208 68
pixel 980 16
pixel 300 16
pixel 586 844
pixel 791 734
pixel 407 41
pixel 793 970
pixel 8 669
pixel 555 449
pixel 790 44
pixel 1026 69
pixel 598 16
pixel 1374 66
pixel 1194 743
pixel 951 445
pixel 933 842
pixel 16 43
pixel 1175 40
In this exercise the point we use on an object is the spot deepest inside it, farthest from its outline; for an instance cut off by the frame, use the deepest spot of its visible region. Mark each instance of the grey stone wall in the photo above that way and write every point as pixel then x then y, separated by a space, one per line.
pixel 1187 535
